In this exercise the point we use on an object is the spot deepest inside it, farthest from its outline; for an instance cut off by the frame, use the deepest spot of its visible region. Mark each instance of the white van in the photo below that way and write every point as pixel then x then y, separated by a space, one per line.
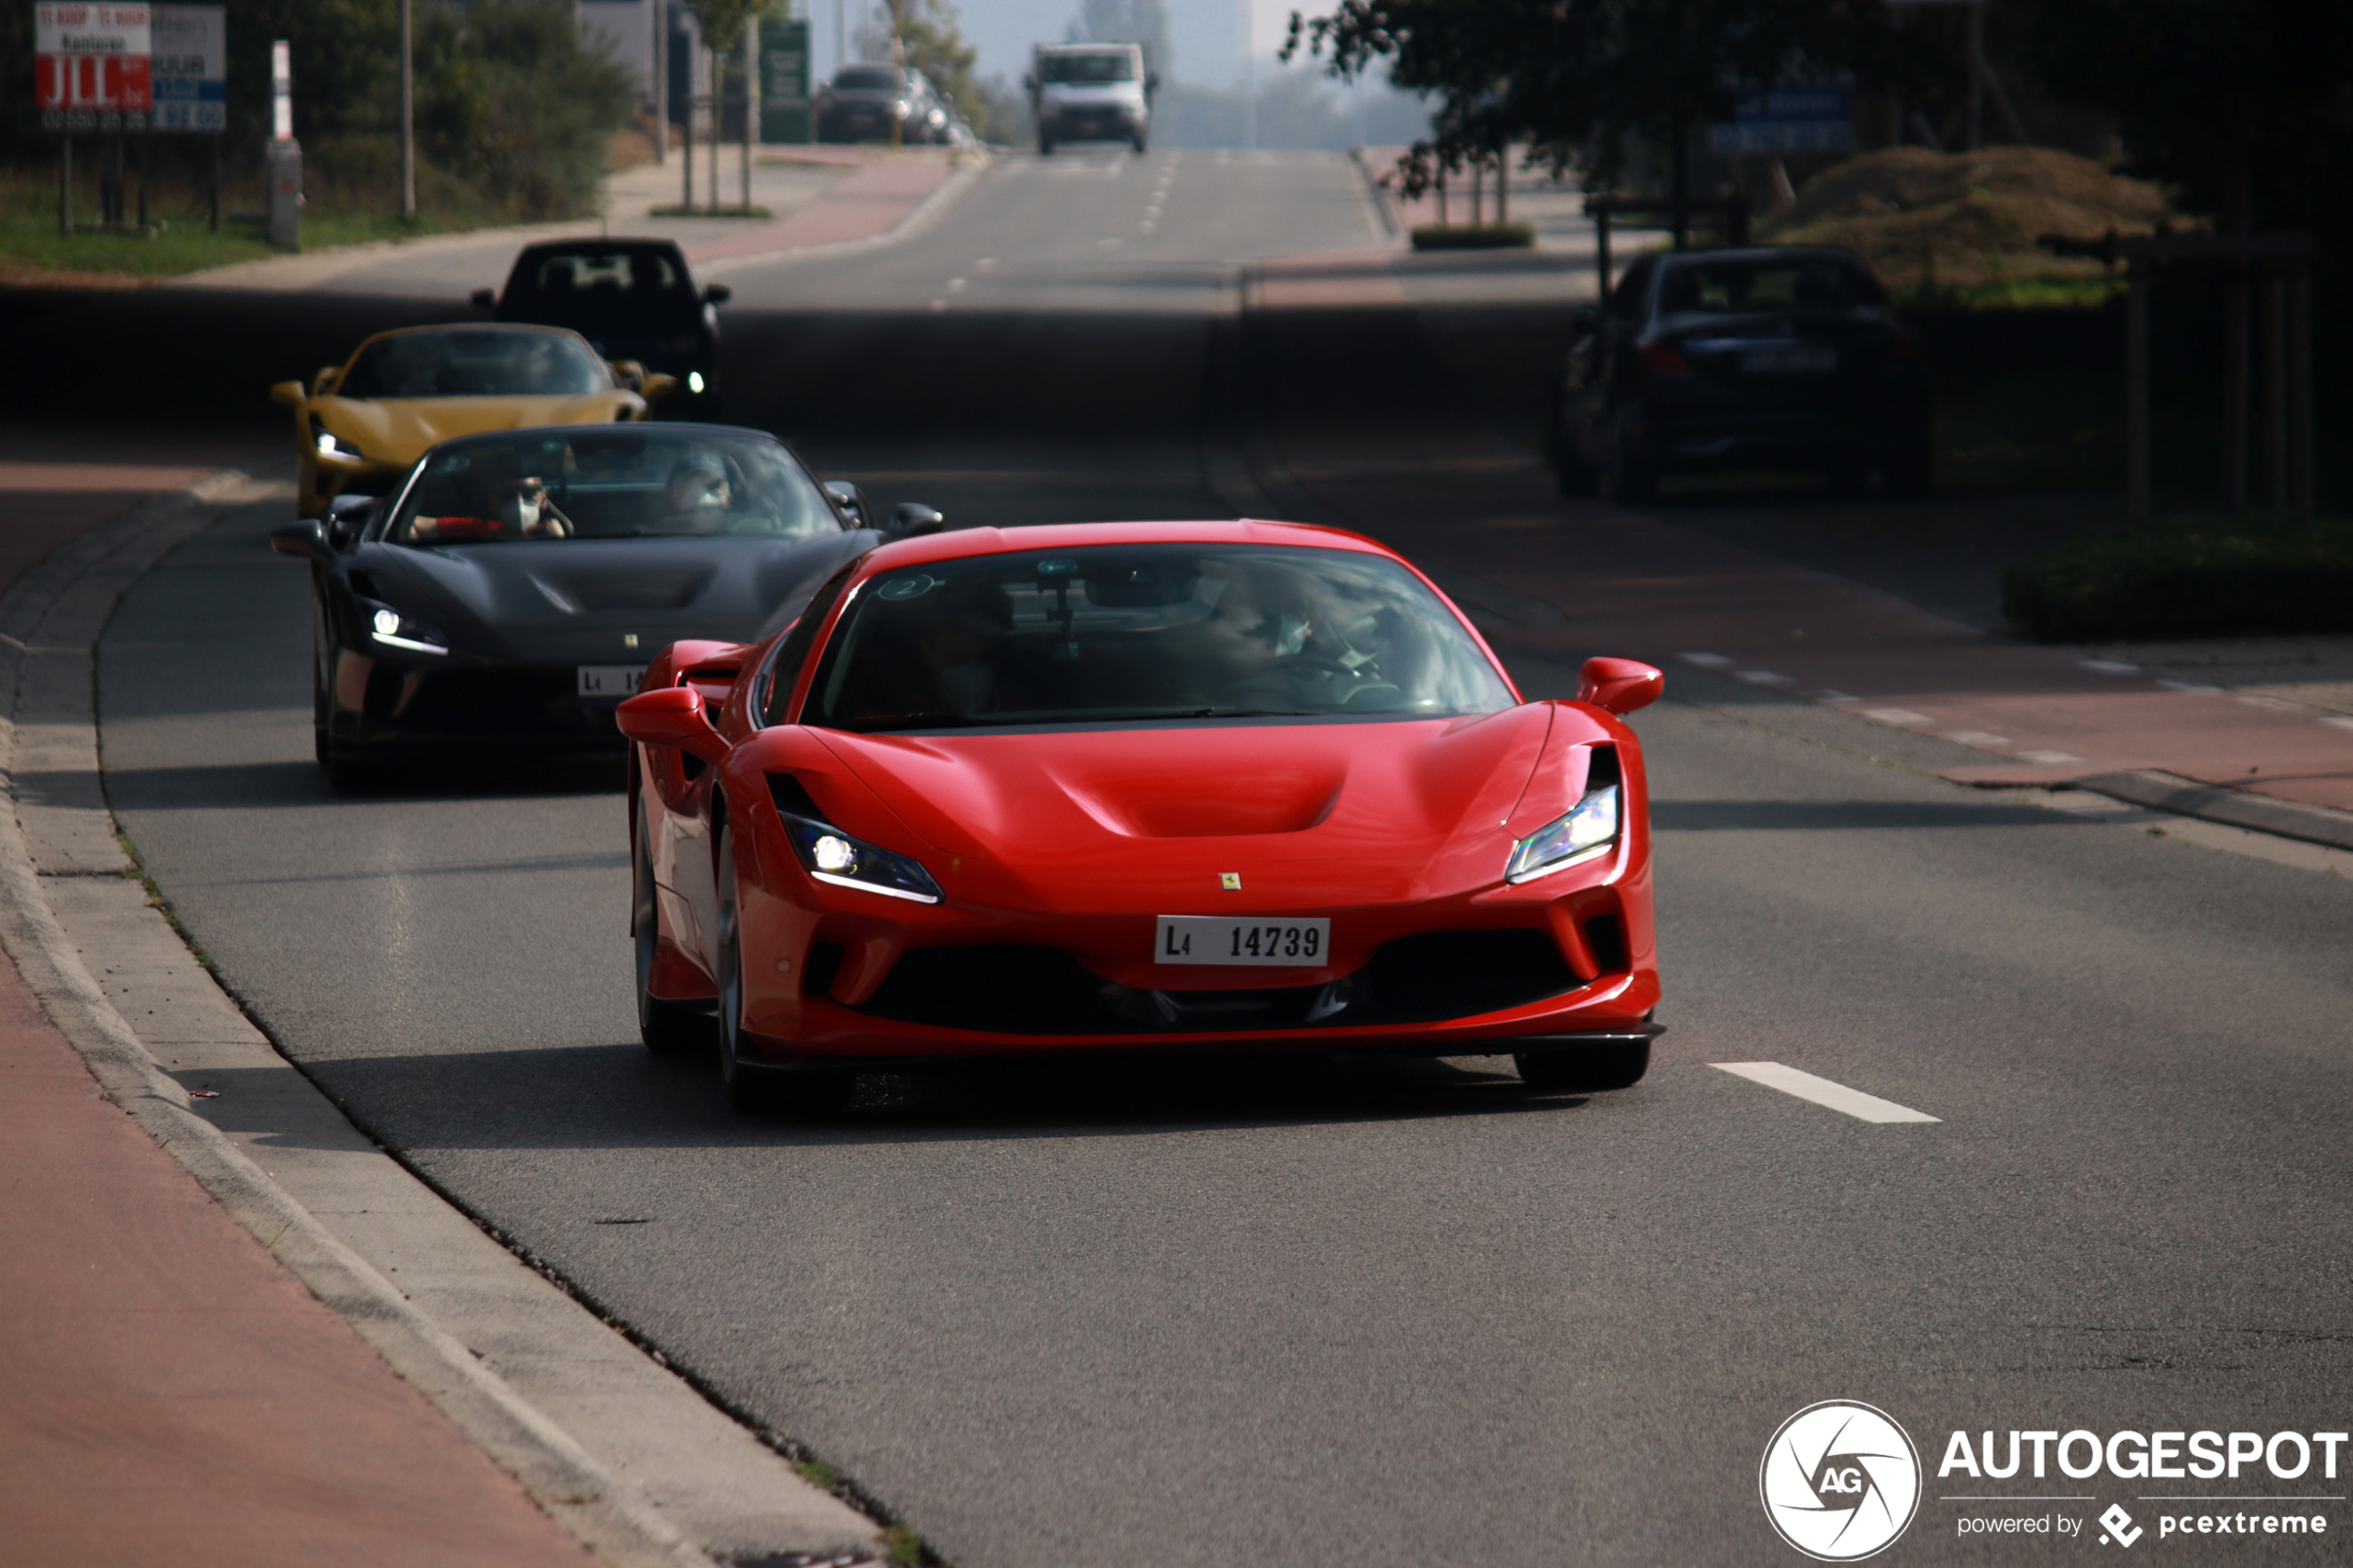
pixel 1091 92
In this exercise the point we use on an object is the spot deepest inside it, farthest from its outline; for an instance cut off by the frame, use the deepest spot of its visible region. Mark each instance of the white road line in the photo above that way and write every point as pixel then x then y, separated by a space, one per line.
pixel 1821 1091
pixel 2270 704
pixel 2340 721
pixel 2111 667
pixel 986 264
pixel 956 285
pixel 1764 678
pixel 1826 695
pixel 1977 738
pixel 1897 716
pixel 1705 660
pixel 939 305
pixel 2187 686
pixel 2048 759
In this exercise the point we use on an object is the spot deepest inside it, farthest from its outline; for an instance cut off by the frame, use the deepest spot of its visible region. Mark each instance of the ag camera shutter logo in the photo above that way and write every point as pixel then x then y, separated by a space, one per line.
pixel 1840 1481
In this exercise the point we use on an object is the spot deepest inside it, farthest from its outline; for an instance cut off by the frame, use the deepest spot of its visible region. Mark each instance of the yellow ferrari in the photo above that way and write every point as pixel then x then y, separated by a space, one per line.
pixel 361 425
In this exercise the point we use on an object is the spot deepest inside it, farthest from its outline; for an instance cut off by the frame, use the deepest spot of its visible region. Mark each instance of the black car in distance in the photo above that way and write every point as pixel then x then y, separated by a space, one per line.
pixel 863 98
pixel 509 592
pixel 1770 358
pixel 631 298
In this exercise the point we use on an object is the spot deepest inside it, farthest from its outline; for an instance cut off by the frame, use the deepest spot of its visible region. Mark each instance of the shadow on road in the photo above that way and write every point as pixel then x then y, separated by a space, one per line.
pixel 621 1098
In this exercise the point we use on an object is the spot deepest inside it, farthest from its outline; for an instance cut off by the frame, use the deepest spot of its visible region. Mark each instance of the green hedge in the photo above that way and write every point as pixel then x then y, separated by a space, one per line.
pixel 2203 576
pixel 1473 236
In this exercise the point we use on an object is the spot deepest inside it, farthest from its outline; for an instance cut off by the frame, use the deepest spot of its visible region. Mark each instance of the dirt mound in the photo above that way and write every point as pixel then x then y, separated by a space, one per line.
pixel 1958 219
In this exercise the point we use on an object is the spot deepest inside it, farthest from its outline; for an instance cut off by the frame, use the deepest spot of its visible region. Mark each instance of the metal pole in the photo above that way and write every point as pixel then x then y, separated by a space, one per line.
pixel 686 145
pixel 1601 252
pixel 65 185
pixel 1504 183
pixel 146 160
pixel 2275 391
pixel 2236 376
pixel 662 81
pixel 718 76
pixel 2136 395
pixel 408 115
pixel 751 101
pixel 2299 339
pixel 1976 74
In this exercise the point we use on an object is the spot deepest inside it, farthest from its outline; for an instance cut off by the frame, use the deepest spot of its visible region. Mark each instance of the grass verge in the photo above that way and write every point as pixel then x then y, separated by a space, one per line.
pixel 737 209
pixel 2199 575
pixel 1473 236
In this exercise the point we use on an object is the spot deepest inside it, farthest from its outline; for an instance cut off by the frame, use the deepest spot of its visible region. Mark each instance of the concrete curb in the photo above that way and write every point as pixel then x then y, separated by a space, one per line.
pixel 49 625
pixel 2187 798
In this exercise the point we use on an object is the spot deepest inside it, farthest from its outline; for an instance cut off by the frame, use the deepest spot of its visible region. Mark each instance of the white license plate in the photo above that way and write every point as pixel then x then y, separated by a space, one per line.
pixel 1814 357
pixel 611 680
pixel 1262 941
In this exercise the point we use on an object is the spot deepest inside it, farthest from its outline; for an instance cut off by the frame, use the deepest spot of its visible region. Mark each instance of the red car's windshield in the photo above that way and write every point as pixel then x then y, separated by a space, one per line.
pixel 1109 633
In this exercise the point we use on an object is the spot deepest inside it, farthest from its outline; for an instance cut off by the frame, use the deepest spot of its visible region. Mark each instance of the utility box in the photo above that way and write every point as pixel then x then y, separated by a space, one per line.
pixel 783 81
pixel 284 166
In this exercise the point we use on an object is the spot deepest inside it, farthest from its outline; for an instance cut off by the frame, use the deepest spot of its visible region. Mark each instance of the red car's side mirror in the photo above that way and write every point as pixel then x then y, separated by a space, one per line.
pixel 672 716
pixel 1619 686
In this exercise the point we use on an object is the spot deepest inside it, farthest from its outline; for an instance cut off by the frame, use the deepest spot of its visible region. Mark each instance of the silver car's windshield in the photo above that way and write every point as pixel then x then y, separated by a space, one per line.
pixel 1147 632
pixel 601 482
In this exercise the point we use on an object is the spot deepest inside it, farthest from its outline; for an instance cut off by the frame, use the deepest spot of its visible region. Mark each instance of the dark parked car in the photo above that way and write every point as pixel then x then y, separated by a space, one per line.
pixel 859 104
pixel 1757 359
pixel 511 590
pixel 632 299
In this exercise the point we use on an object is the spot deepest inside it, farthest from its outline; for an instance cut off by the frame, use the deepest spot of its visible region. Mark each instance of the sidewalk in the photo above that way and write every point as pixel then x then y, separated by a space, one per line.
pixel 174 1395
pixel 816 195
pixel 1442 486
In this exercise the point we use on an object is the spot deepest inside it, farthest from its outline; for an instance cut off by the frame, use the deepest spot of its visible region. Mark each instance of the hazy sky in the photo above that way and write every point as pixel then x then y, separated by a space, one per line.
pixel 1206 34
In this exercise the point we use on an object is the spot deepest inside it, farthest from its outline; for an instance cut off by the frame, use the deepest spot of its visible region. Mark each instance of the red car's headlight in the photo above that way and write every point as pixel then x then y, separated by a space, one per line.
pixel 1584 834
pixel 832 855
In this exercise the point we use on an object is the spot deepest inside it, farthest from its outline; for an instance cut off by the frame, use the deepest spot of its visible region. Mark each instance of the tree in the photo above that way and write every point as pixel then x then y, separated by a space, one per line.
pixel 1143 22
pixel 722 21
pixel 2245 106
pixel 1579 78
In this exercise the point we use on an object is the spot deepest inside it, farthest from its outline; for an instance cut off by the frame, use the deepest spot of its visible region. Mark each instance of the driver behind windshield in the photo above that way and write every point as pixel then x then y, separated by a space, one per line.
pixel 604 484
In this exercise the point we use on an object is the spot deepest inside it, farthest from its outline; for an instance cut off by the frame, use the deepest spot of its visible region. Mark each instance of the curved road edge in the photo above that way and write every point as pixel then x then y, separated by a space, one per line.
pixel 636 1463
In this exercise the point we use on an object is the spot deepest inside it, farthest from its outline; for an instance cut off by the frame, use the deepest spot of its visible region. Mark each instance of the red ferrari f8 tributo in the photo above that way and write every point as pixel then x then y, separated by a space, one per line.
pixel 1135 788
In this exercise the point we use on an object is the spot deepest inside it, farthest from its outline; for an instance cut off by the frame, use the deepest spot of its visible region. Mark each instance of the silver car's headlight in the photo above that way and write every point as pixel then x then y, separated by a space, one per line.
pixel 1584 834
pixel 388 626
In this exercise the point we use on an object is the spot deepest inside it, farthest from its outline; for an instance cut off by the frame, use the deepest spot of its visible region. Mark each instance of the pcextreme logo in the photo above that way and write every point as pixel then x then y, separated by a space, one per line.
pixel 1840 1481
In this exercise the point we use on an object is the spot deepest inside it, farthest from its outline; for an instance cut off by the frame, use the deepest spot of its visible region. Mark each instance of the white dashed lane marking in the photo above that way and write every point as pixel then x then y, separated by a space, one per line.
pixel 1821 1091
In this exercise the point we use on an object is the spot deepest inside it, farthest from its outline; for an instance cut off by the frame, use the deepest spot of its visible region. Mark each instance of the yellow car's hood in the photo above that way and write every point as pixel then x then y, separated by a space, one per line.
pixel 397 431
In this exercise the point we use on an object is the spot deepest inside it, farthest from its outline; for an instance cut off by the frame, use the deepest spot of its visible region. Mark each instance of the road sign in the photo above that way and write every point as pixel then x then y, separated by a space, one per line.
pixel 783 79
pixel 191 70
pixel 1803 118
pixel 91 65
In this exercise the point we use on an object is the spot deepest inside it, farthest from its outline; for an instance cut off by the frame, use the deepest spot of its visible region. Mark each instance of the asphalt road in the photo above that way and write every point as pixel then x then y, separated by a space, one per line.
pixel 1322 1313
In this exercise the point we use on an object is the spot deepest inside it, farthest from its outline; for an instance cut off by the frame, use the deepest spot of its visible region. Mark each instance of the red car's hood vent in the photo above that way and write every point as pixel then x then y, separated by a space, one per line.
pixel 1384 798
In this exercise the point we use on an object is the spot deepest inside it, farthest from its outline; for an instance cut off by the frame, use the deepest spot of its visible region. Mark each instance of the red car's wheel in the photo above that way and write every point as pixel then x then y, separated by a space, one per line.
pixel 667 1027
pixel 1590 1070
pixel 750 1088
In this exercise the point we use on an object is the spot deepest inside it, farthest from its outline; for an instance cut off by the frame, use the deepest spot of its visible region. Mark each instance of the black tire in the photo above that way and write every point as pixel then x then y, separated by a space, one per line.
pixel 1593 1069
pixel 1575 475
pixel 668 1028
pixel 752 1089
pixel 1141 142
pixel 1629 481
pixel 357 775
